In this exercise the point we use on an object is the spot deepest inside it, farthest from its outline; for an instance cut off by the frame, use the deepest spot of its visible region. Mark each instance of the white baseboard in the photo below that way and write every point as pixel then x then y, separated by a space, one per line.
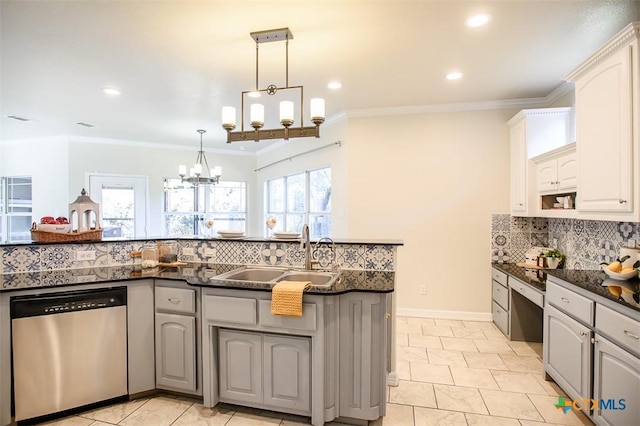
pixel 393 379
pixel 452 315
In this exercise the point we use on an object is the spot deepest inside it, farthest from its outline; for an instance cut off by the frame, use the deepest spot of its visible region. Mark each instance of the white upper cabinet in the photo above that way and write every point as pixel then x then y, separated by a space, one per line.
pixel 533 132
pixel 558 172
pixel 606 90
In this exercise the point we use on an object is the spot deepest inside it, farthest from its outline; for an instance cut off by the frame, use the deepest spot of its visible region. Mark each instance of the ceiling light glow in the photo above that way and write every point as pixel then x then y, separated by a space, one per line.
pixel 478 20
pixel 334 85
pixel 111 91
pixel 456 75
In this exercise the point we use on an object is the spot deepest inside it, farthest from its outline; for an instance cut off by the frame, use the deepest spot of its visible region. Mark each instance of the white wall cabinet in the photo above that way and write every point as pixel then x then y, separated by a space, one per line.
pixel 557 173
pixel 606 90
pixel 533 132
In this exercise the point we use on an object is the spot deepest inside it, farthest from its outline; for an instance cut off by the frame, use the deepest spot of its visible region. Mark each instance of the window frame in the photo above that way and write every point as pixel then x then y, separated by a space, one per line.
pixel 203 205
pixel 6 212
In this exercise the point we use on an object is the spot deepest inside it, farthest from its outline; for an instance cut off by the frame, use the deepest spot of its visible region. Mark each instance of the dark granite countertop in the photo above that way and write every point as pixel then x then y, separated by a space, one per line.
pixel 196 274
pixel 625 293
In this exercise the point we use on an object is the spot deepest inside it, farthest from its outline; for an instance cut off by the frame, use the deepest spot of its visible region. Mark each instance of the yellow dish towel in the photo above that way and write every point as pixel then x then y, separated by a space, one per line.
pixel 286 297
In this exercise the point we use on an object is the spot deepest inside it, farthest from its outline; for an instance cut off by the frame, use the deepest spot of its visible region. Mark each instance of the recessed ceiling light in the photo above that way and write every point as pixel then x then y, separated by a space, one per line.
pixel 456 75
pixel 83 124
pixel 478 20
pixel 15 117
pixel 111 91
pixel 334 85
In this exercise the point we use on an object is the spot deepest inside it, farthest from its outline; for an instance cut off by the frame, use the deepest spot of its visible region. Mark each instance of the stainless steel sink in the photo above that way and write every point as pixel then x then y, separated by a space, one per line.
pixel 316 278
pixel 274 275
pixel 251 274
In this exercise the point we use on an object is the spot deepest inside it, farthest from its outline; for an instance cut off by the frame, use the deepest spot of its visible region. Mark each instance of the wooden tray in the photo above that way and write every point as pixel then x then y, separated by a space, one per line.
pixel 526 265
pixel 61 237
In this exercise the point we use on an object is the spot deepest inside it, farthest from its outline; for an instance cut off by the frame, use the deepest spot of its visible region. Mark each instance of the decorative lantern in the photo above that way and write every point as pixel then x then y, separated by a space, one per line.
pixel 83 207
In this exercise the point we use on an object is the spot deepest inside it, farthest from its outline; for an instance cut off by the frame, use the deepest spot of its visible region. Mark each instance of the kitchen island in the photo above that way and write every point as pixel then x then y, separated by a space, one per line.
pixel 341 342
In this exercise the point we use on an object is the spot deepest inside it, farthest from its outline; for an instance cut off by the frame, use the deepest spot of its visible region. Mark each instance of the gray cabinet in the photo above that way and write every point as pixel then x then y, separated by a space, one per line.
pixel 616 384
pixel 176 343
pixel 175 351
pixel 567 353
pixel 500 300
pixel 264 369
pixel 240 366
pixel 362 355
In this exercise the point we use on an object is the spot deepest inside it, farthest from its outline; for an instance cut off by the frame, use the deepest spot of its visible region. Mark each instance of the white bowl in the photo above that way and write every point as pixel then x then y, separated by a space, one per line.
pixel 618 275
pixel 286 234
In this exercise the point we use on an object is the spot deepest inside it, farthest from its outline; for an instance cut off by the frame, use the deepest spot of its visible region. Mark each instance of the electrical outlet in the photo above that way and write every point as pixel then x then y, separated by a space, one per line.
pixel 187 251
pixel 85 255
pixel 209 252
pixel 423 289
pixel 631 243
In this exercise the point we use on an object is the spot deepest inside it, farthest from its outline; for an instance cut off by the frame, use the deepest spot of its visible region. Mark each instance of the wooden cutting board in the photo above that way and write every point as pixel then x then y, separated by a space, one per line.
pixel 526 265
pixel 172 264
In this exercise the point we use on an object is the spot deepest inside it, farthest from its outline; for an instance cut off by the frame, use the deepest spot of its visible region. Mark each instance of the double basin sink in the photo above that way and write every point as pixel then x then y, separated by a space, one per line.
pixel 272 275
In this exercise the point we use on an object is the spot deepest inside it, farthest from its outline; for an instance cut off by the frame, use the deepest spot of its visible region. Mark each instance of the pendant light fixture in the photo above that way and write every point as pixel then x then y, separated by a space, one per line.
pixel 200 174
pixel 287 112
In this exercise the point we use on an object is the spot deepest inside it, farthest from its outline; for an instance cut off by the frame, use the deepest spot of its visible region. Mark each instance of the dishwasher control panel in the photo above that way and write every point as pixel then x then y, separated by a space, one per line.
pixel 73 301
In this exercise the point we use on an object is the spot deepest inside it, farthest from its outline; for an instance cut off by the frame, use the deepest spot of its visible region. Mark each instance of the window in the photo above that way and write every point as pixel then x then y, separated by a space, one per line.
pixel 15 208
pixel 187 208
pixel 301 198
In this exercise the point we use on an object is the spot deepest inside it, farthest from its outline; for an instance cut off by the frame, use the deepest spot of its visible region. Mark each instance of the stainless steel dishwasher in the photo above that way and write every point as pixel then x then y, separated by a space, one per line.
pixel 69 350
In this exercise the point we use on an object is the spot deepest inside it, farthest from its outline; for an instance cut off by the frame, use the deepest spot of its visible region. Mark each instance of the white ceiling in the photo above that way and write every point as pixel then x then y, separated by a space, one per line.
pixel 178 62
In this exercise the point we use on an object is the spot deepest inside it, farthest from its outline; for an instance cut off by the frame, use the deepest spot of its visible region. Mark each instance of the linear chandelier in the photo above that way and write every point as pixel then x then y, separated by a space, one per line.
pixel 286 107
pixel 196 175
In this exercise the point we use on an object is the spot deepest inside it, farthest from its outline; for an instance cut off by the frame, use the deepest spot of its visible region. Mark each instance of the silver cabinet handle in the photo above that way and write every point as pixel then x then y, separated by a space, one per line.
pixel 583 333
pixel 565 300
pixel 622 201
pixel 630 334
pixel 174 300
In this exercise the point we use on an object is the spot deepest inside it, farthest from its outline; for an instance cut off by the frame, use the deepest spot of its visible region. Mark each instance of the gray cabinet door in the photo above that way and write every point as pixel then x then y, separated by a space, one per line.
pixel 175 351
pixel 240 366
pixel 362 356
pixel 286 373
pixel 567 353
pixel 616 384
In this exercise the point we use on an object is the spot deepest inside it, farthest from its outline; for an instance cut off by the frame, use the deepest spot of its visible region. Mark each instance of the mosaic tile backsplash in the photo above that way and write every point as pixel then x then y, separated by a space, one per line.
pixel 373 257
pixel 585 243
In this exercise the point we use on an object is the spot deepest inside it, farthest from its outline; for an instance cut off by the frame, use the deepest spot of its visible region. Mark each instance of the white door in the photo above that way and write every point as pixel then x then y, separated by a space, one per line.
pixel 123 203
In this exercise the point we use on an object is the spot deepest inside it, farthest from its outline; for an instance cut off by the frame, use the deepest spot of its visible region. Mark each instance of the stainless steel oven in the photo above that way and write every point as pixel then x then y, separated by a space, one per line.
pixel 69 350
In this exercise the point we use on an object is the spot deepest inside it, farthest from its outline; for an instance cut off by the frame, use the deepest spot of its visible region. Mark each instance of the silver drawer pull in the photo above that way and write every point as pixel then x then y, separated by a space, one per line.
pixel 583 333
pixel 564 299
pixel 174 300
pixel 630 334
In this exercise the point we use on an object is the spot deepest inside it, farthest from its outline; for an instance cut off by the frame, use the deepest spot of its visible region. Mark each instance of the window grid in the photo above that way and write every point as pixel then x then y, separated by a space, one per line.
pixel 16 205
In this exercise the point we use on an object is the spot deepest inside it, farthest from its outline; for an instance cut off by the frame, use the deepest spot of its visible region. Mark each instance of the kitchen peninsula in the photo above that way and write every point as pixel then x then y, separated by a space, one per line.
pixel 340 344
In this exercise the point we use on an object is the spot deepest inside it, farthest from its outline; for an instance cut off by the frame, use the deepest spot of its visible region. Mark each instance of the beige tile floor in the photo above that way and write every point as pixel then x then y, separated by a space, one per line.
pixel 451 373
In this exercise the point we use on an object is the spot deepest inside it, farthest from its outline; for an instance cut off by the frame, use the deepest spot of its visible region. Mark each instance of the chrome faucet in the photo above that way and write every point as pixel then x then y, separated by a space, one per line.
pixel 305 242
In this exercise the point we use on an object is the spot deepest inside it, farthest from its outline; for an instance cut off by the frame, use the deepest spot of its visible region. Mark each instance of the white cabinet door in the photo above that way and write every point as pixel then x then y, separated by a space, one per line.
pixel 547 173
pixel 518 164
pixel 175 351
pixel 240 366
pixel 567 172
pixel 567 353
pixel 604 134
pixel 287 374
pixel 616 384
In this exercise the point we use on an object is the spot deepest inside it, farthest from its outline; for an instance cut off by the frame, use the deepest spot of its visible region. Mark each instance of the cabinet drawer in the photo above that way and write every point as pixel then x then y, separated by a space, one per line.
pixel 500 317
pixel 618 327
pixel 527 292
pixel 572 303
pixel 499 276
pixel 500 294
pixel 176 299
pixel 230 309
pixel 306 322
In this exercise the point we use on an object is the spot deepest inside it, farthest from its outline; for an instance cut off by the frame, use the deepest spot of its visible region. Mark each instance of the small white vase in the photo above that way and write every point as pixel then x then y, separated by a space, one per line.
pixel 552 262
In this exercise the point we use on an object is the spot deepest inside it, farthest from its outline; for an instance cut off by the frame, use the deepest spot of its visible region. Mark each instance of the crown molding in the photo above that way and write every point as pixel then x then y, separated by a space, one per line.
pixel 625 36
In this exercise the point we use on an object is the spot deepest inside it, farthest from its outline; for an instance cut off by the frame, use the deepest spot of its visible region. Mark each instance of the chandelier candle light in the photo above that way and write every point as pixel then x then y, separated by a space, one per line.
pixel 286 107
pixel 196 175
